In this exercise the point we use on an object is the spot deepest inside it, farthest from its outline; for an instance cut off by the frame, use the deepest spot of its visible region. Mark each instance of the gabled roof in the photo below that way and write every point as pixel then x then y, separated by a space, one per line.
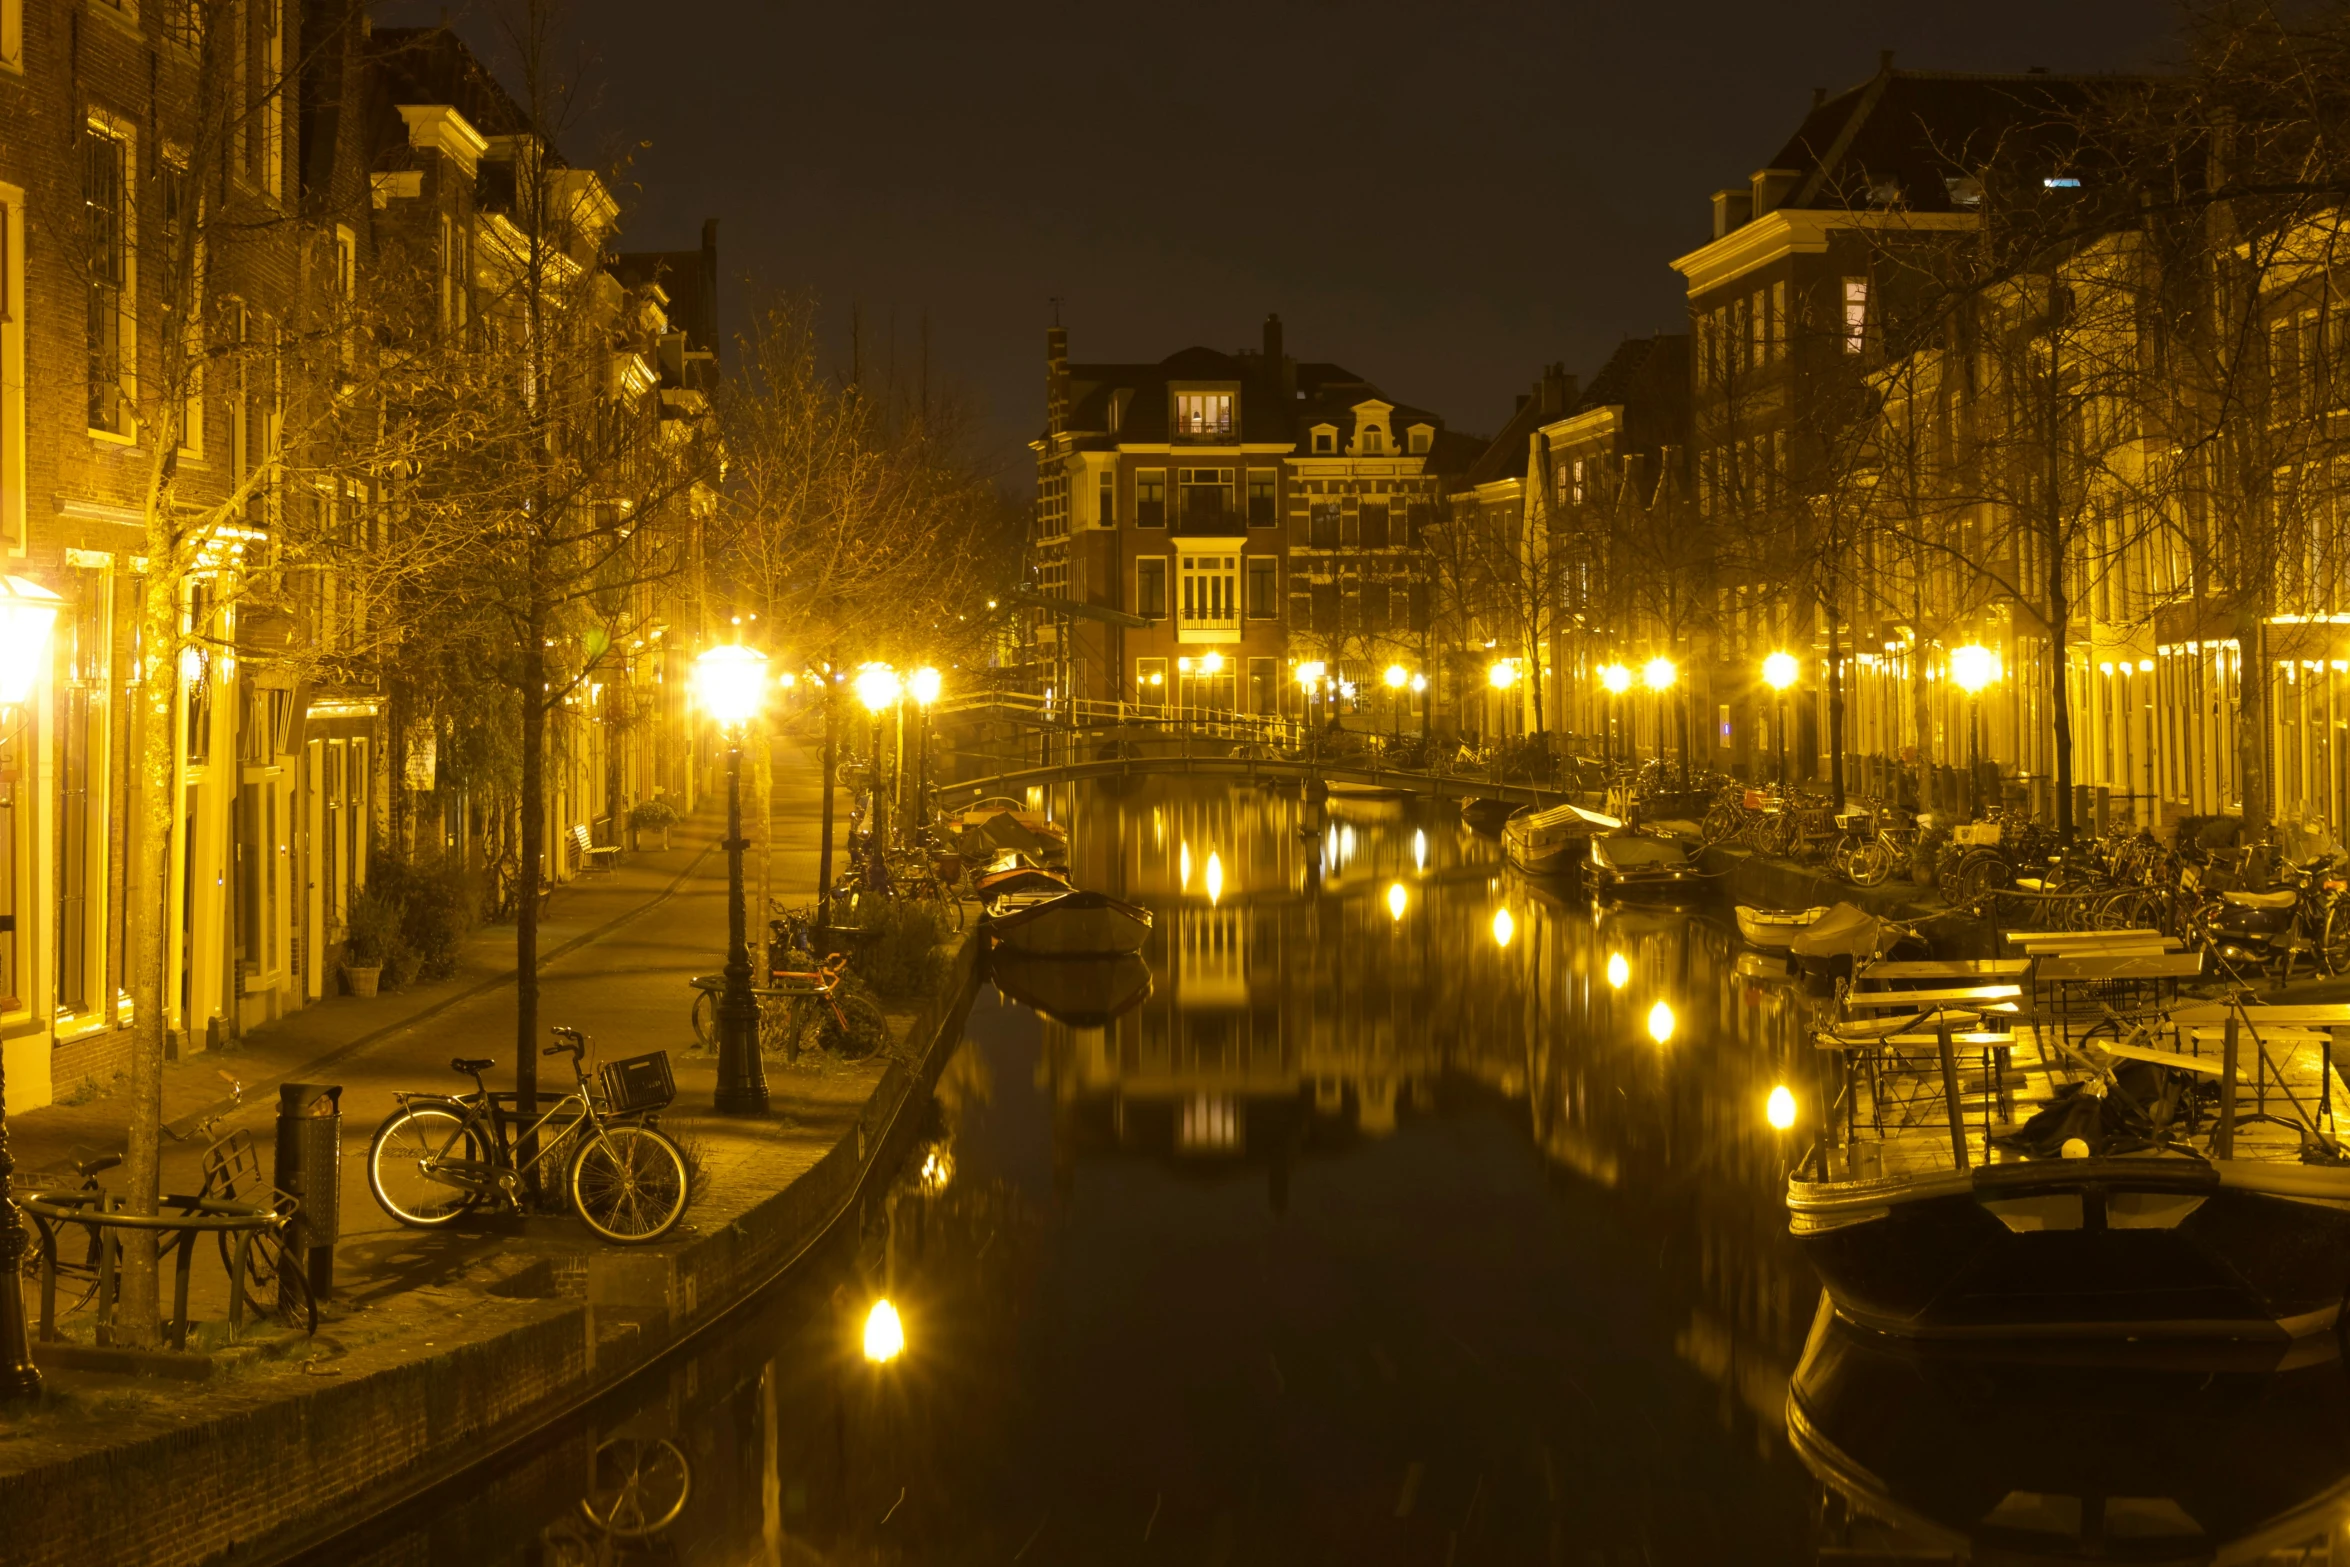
pixel 1507 454
pixel 1904 136
pixel 1278 404
pixel 433 65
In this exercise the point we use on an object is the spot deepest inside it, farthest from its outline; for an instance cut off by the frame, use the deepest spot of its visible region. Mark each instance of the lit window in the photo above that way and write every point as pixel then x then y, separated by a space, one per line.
pixel 2061 182
pixel 1856 313
pixel 1203 413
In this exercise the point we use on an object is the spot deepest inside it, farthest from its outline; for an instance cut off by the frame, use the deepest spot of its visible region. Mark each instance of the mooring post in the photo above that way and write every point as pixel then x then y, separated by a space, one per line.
pixel 1957 1115
pixel 2223 1139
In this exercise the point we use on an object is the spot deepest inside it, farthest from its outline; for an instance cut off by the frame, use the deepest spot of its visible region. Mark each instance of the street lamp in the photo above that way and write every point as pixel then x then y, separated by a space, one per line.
pixel 1779 672
pixel 1397 678
pixel 1309 678
pixel 731 681
pixel 1971 669
pixel 27 613
pixel 1615 679
pixel 1658 675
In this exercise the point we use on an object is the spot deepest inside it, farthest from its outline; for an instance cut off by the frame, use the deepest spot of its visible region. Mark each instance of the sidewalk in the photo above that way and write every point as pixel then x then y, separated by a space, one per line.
pixel 435 1337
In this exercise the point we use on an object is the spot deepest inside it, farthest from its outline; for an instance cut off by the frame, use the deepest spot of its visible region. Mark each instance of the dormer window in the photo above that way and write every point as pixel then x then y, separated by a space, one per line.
pixel 1420 436
pixel 1373 440
pixel 1203 414
pixel 1325 440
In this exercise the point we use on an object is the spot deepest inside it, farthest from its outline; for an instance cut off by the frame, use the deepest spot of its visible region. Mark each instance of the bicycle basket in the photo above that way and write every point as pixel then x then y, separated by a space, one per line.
pixel 1853 821
pixel 1984 834
pixel 638 1084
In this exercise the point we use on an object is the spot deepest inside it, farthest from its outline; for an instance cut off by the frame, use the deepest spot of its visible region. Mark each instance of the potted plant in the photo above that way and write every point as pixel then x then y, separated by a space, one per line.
pixel 656 814
pixel 368 941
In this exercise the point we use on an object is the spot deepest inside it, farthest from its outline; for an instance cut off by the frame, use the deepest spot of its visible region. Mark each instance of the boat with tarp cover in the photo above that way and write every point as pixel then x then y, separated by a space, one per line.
pixel 1544 842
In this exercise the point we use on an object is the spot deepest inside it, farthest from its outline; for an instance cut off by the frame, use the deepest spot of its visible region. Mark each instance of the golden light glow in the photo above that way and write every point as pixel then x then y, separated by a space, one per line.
pixel 1619 973
pixel 877 686
pixel 1310 675
pixel 1503 675
pixel 1419 850
pixel 1503 927
pixel 1397 677
pixel 1211 664
pixel 787 680
pixel 1780 1112
pixel 730 682
pixel 922 686
pixel 937 1170
pixel 1183 666
pixel 1973 667
pixel 1660 1022
pixel 1615 678
pixel 1780 670
pixel 27 612
pixel 1215 877
pixel 1183 865
pixel 885 1335
pixel 1397 898
pixel 1658 674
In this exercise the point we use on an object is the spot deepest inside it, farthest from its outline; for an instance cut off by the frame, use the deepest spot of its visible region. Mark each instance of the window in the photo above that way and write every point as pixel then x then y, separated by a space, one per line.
pixel 1779 320
pixel 1322 525
pixel 1264 685
pixel 1374 525
pixel 1261 492
pixel 1416 517
pixel 82 665
pixel 1150 497
pixel 12 410
pixel 1150 680
pixel 1264 587
pixel 1150 586
pixel 12 35
pixel 1200 415
pixel 1578 481
pixel 1210 593
pixel 346 290
pixel 1106 503
pixel 1856 314
pixel 1350 528
pixel 1206 497
pixel 1374 607
pixel 1325 609
pixel 1373 439
pixel 259 65
pixel 1420 435
pixel 106 259
pixel 1325 440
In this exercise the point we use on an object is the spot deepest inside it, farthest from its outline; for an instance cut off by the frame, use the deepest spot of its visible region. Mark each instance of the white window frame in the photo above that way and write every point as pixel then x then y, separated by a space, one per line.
pixel 1854 298
pixel 125 136
pixel 12 386
pixel 12 36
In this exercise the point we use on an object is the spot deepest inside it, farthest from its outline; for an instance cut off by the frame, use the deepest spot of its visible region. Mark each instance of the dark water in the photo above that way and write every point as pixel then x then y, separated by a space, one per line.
pixel 1384 1229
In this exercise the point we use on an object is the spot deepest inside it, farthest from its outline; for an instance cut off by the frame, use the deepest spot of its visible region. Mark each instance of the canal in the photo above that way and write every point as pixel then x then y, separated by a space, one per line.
pixel 1393 1211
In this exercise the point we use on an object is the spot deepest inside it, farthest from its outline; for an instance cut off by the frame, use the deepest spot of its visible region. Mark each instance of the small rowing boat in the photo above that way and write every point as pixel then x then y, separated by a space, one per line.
pixel 1068 924
pixel 1546 842
pixel 1014 872
pixel 1080 992
pixel 1773 929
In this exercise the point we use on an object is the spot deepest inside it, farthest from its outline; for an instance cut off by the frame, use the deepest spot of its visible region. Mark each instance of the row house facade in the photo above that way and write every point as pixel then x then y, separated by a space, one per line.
pixel 351 168
pixel 1258 512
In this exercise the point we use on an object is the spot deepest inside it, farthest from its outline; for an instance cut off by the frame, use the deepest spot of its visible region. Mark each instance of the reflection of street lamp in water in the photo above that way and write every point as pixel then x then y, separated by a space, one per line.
pixel 1503 928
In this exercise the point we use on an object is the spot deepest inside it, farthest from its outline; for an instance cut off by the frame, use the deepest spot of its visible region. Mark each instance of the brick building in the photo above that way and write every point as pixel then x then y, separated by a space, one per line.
pixel 1257 510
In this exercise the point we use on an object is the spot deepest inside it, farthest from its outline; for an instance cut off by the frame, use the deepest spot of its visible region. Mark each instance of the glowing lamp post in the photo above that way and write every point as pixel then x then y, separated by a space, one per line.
pixel 1309 680
pixel 923 686
pixel 27 612
pixel 1779 672
pixel 1971 669
pixel 1615 680
pixel 1397 678
pixel 1501 677
pixel 731 683
pixel 1658 674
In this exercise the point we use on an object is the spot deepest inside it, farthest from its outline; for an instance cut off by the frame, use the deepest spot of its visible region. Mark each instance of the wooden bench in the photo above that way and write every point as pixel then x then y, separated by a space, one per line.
pixel 587 855
pixel 2084 943
pixel 1954 968
pixel 2099 968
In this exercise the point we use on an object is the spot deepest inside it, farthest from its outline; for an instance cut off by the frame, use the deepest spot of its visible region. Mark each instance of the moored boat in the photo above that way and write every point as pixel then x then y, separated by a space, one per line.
pixel 1545 842
pixel 1014 872
pixel 997 825
pixel 1978 1182
pixel 1773 929
pixel 1640 865
pixel 1485 814
pixel 1829 946
pixel 1068 924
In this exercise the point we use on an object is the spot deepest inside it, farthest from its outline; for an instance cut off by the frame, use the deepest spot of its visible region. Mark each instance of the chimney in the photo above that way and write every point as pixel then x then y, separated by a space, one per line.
pixel 1557 389
pixel 1770 189
pixel 1056 376
pixel 1731 210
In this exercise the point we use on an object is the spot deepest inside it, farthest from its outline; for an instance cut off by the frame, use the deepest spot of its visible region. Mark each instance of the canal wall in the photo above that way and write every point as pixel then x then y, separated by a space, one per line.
pixel 253 1468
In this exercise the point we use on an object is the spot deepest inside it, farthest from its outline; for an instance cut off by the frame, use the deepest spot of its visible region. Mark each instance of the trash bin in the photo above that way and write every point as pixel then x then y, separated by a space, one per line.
pixel 310 1166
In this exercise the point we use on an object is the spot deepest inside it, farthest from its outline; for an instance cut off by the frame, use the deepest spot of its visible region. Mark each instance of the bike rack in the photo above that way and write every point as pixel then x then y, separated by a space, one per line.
pixel 196 1216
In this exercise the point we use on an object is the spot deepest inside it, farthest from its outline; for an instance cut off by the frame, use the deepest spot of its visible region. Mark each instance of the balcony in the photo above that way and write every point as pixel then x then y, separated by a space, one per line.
pixel 1207 628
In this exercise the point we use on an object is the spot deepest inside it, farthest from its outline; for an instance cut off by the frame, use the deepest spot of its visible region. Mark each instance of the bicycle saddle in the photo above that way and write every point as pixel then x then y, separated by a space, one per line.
pixel 475 1065
pixel 2262 900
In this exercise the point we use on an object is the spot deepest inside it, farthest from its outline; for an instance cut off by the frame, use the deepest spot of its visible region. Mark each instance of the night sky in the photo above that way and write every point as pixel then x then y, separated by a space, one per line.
pixel 1442 197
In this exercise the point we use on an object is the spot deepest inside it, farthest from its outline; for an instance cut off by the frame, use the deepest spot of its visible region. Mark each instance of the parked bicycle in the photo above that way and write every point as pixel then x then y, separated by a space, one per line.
pixel 438 1156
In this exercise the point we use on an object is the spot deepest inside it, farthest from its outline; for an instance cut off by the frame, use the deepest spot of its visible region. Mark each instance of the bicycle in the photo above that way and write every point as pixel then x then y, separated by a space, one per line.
pixel 80 1274
pixel 438 1156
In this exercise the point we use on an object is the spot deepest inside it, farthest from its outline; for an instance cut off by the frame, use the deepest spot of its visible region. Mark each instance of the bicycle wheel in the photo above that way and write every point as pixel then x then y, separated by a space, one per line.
pixel 706 1018
pixel 273 1286
pixel 1721 822
pixel 630 1184
pixel 852 1027
pixel 639 1489
pixel 2333 942
pixel 396 1159
pixel 1871 865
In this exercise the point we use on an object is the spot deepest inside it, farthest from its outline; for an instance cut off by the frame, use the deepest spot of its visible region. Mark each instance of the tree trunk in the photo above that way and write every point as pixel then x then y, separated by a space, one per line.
pixel 154 832
pixel 1835 673
pixel 831 787
pixel 2060 705
pixel 2251 717
pixel 534 835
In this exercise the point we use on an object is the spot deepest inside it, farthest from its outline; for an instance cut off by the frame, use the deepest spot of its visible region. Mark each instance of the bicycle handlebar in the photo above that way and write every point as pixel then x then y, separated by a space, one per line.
pixel 570 1039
